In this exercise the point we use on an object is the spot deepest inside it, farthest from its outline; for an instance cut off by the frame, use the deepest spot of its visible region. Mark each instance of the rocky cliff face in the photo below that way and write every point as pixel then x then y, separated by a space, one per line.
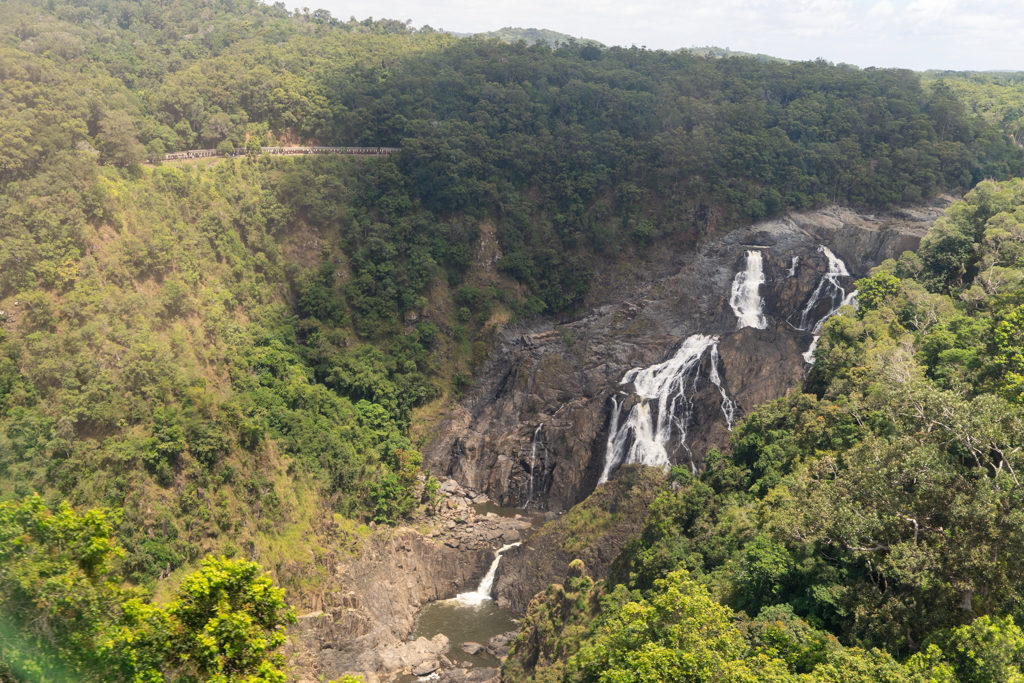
pixel 536 425
pixel 370 603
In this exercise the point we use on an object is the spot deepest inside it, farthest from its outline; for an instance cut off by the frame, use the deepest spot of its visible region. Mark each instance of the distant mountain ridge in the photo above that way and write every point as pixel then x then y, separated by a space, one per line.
pixel 532 36
pixel 722 52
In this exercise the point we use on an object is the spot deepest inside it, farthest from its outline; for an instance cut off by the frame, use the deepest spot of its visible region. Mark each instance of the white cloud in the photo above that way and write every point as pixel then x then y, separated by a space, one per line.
pixel 881 11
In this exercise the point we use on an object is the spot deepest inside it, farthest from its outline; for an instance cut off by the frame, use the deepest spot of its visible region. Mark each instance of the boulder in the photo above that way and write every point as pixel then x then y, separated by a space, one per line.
pixel 414 655
pixel 426 667
pixel 500 644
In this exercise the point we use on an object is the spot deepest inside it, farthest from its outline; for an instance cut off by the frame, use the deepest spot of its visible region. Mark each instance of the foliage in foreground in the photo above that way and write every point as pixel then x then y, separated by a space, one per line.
pixel 866 530
pixel 64 614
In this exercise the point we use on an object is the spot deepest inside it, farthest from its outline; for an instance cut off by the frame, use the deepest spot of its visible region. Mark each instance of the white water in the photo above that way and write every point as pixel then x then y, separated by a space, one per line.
pixel 666 397
pixel 828 287
pixel 609 446
pixel 728 405
pixel 792 267
pixel 746 299
pixel 808 355
pixel 533 463
pixel 483 592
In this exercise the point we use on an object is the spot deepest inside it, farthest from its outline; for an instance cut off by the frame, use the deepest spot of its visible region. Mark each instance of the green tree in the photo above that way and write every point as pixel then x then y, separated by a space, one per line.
pixel 231 619
pixel 989 649
pixel 679 634
pixel 64 614
pixel 56 595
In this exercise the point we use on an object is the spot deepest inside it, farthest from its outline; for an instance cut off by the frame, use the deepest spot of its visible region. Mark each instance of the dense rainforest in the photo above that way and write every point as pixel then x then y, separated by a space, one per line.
pixel 236 357
pixel 867 528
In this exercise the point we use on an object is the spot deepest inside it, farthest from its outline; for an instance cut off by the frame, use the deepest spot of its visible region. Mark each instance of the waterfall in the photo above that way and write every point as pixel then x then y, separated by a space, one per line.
pixel 848 300
pixel 808 355
pixel 728 405
pixel 828 288
pixel 746 299
pixel 666 393
pixel 792 267
pixel 609 446
pixel 483 592
pixel 533 463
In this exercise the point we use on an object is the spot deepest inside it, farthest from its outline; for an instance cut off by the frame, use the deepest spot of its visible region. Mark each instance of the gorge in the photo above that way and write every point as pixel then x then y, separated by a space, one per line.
pixel 580 378
pixel 346 347
pixel 559 408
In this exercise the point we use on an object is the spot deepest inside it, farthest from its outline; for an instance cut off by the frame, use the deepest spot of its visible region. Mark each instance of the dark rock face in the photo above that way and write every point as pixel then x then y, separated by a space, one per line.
pixel 563 376
pixel 594 532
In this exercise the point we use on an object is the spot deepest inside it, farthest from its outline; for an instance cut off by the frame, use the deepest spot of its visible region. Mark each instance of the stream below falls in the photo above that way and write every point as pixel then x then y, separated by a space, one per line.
pixel 465 624
pixel 470 617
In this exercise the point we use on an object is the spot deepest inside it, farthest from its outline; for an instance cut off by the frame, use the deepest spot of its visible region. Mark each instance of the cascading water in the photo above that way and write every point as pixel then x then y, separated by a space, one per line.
pixel 793 266
pixel 666 391
pixel 830 289
pixel 609 446
pixel 728 405
pixel 533 463
pixel 483 592
pixel 745 298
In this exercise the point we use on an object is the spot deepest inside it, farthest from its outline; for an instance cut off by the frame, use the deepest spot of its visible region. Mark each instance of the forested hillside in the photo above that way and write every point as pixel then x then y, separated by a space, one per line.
pixel 867 529
pixel 231 353
pixel 993 97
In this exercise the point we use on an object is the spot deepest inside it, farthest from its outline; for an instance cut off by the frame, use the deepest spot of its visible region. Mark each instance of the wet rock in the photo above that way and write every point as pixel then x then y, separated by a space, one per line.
pixel 471 648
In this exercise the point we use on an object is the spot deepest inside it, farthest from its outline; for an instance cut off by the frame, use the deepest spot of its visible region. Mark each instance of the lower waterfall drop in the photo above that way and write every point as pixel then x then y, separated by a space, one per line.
pixel 666 391
pixel 828 287
pixel 483 592
pixel 533 464
pixel 745 299
pixel 728 405
pixel 794 262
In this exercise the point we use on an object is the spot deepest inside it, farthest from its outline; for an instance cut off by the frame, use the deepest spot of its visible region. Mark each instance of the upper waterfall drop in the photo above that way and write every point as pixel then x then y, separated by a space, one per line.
pixel 746 299
pixel 666 391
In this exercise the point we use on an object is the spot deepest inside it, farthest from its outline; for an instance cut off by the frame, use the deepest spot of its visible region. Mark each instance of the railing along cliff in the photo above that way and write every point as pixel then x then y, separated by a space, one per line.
pixel 283 151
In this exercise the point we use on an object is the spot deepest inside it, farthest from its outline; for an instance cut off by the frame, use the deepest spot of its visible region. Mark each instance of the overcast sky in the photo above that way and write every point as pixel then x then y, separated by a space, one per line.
pixel 916 34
